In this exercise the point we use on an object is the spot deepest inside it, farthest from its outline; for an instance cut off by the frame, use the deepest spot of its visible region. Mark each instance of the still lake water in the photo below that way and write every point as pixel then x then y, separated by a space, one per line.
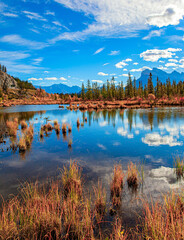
pixel 150 136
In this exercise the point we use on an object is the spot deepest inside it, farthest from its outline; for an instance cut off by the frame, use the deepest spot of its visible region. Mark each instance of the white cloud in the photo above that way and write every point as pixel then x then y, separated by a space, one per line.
pixel 121 131
pixel 135 63
pixel 37 61
pixel 57 23
pixel 121 64
pixel 140 69
pixel 114 53
pixel 154 33
pixel 122 18
pixel 128 60
pixel 35 16
pixel 171 64
pixel 63 79
pixel 173 60
pixel 8 14
pixel 125 75
pixel 170 16
pixel 13 55
pixel 18 40
pixel 162 68
pixel 125 69
pixel 153 55
pixel 51 78
pixel 98 50
pixel 155 139
pixel 102 74
pixel 49 13
pixel 97 81
pixel 35 79
pixel 105 64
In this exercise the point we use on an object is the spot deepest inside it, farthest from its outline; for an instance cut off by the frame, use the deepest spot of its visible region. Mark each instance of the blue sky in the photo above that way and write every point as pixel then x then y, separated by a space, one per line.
pixel 71 41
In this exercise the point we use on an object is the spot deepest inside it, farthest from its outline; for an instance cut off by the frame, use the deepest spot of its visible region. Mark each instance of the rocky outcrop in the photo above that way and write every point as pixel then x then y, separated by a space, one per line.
pixel 7 82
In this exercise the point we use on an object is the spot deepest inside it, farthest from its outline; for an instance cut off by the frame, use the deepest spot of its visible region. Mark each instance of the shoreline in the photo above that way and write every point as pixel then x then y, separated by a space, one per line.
pixel 94 104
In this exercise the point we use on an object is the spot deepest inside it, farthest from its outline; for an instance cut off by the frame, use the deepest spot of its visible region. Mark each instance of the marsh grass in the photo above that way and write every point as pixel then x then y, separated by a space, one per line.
pixel 78 122
pixel 64 128
pixel 70 143
pixel 164 220
pixel 179 168
pixel 12 127
pixel 100 201
pixel 133 176
pixel 23 124
pixel 117 185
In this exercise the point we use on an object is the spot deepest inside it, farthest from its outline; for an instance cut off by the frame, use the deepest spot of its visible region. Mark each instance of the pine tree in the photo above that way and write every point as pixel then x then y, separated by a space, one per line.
pixel 83 92
pixel 150 85
pixel 89 91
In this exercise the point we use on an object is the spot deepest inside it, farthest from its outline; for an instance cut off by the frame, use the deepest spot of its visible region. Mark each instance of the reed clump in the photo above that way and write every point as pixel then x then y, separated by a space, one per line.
pixel 23 124
pixel 179 168
pixel 70 143
pixel 117 185
pixel 47 127
pixel 12 127
pixel 100 201
pixel 69 128
pixel 57 127
pixel 78 122
pixel 64 128
pixel 133 176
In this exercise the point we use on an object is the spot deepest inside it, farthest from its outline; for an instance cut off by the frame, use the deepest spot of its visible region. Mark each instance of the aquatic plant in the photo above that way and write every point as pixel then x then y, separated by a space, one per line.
pixel 69 128
pixel 22 144
pixel 132 176
pixel 78 122
pixel 47 127
pixel 23 124
pixel 64 128
pixel 82 124
pixel 70 143
pixel 41 133
pixel 12 127
pixel 86 119
pixel 100 201
pixel 117 185
pixel 179 167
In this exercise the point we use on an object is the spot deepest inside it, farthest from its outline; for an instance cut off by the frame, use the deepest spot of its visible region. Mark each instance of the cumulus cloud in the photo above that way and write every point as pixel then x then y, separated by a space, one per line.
pixel 171 64
pixel 99 51
pixel 125 75
pixel 121 64
pixel 153 55
pixel 122 18
pixel 135 63
pixel 102 74
pixel 170 16
pixel 155 139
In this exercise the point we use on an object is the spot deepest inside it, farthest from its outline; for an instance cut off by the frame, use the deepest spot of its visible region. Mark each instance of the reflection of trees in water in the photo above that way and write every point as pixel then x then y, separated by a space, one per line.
pixel 149 117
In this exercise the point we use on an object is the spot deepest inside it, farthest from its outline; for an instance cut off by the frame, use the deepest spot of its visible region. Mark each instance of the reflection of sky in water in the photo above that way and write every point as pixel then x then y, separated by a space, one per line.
pixel 150 136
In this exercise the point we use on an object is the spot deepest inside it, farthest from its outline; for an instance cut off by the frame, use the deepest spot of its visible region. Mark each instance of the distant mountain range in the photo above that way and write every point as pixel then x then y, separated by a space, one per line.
pixel 163 76
pixel 60 88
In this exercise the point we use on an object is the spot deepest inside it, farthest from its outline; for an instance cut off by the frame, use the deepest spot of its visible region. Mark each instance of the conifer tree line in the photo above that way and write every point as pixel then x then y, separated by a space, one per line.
pixel 110 91
pixel 3 68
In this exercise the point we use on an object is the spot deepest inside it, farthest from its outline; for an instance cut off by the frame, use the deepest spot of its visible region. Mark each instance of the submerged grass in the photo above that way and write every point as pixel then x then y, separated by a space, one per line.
pixel 133 176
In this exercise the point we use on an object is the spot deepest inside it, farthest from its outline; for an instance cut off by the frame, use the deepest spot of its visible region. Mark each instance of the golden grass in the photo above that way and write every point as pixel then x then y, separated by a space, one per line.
pixel 133 176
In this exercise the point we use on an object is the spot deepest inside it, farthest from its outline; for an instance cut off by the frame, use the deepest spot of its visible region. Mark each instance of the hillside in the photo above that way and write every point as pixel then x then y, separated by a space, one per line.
pixel 162 75
pixel 61 88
